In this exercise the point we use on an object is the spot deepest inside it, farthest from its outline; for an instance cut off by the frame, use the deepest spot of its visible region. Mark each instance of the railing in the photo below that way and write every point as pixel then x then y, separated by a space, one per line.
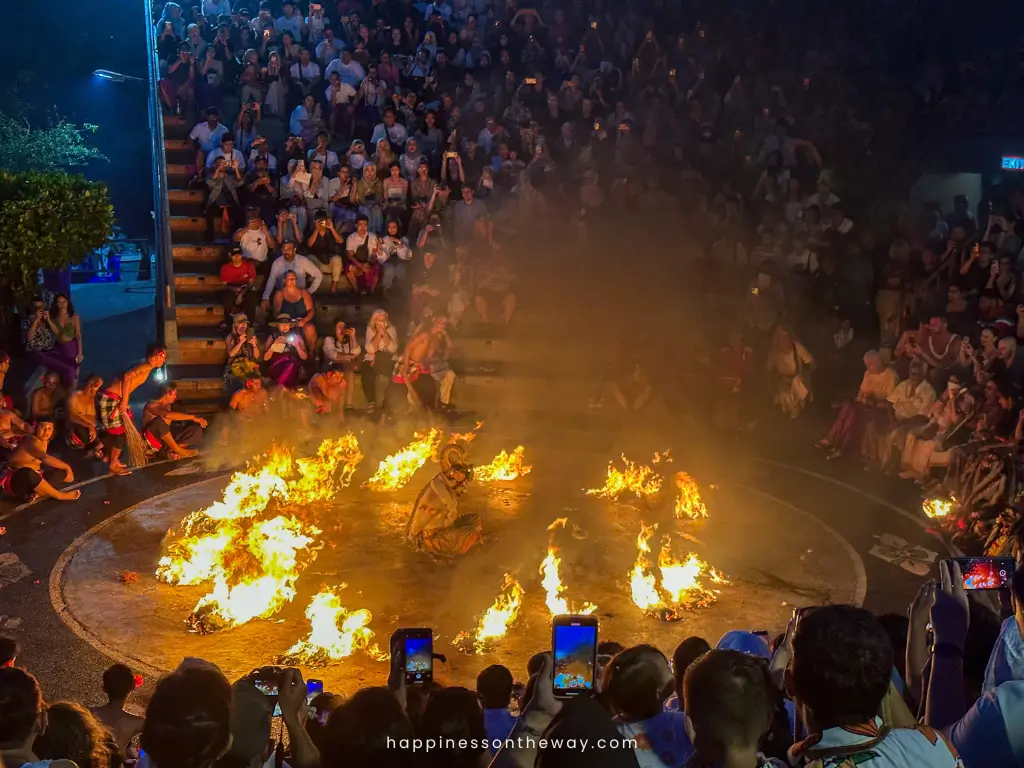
pixel 161 207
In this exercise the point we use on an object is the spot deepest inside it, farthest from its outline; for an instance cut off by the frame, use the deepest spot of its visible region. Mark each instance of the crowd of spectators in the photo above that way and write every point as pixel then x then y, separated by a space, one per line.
pixel 840 687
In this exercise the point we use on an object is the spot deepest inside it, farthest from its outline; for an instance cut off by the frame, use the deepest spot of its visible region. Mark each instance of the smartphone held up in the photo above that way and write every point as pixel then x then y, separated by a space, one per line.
pixel 574 654
pixel 985 572
pixel 418 655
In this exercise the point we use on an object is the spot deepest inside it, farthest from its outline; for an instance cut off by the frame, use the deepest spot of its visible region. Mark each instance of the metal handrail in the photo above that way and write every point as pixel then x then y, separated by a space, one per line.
pixel 161 204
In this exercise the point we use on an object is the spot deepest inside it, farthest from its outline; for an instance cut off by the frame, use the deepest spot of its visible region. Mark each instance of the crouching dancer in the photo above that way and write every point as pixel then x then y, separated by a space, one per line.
pixel 436 526
pixel 168 431
pixel 23 478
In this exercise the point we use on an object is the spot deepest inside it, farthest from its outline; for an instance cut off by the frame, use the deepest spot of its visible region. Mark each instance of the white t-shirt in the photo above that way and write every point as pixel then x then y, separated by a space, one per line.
pixel 353 242
pixel 351 73
pixel 254 244
pixel 309 71
pixel 343 94
pixel 208 138
pixel 218 152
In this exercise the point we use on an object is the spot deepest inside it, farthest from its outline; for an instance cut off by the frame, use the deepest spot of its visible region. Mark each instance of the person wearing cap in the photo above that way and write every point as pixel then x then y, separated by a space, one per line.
pixel 239 278
pixel 243 353
pixel 206 135
pixel 284 352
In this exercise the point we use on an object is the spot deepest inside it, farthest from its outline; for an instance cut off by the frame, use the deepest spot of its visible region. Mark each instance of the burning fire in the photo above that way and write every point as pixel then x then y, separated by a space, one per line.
pixel 552 582
pixel 496 620
pixel 504 467
pixel 642 480
pixel 465 437
pixel 397 470
pixel 251 557
pixel 681 580
pixel 938 508
pixel 334 632
pixel 689 503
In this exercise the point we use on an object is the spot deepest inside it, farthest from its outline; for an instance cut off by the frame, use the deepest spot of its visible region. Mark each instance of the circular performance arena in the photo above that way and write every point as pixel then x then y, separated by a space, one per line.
pixel 305 560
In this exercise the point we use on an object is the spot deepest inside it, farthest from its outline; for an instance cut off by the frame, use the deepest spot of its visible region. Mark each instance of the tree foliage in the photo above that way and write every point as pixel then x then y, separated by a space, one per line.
pixel 48 220
pixel 60 144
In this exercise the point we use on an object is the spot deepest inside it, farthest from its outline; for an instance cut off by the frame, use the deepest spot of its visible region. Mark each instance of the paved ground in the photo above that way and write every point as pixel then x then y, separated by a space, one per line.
pixel 761 535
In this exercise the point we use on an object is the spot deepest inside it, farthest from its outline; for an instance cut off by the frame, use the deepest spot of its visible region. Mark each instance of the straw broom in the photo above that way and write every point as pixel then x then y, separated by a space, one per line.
pixel 136 445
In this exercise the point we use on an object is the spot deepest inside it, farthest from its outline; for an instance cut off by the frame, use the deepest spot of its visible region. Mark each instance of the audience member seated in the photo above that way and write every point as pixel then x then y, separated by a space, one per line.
pixel 867 407
pixel 362 266
pixel 239 278
pixel 169 433
pixel 206 136
pixel 306 275
pixel 297 303
pixel 81 429
pixel 118 683
pixel 393 253
pixel 326 245
pixel 284 353
pixel 380 346
pixel 222 201
pixel 73 733
pixel 909 405
pixel 341 353
pixel 23 479
pixel 255 241
pixel 928 439
pixel 45 398
pixel 790 364
pixel 495 289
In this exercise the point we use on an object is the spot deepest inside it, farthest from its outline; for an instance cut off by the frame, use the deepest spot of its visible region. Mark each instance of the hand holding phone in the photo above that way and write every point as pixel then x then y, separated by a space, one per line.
pixel 574 655
pixel 985 572
pixel 418 655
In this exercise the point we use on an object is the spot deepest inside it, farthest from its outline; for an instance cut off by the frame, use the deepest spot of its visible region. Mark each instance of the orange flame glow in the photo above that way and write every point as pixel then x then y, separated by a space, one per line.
pixel 503 467
pixel 681 586
pixel 465 437
pixel 251 557
pixel 689 503
pixel 397 469
pixel 552 582
pixel 496 620
pixel 639 480
pixel 334 632
pixel 938 508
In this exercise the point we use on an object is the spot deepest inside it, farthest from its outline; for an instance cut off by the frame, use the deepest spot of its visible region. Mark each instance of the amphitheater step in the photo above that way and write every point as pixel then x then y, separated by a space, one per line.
pixel 199 252
pixel 176 127
pixel 185 282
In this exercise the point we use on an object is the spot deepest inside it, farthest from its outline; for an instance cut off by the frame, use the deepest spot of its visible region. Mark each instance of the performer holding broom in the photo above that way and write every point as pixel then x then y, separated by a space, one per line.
pixel 115 415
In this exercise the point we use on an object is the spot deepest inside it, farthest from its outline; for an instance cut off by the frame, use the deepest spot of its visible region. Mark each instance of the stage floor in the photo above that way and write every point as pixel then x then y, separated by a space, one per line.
pixel 775 555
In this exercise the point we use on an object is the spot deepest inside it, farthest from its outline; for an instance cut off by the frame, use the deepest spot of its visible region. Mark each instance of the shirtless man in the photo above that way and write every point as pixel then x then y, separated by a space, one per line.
pixel 159 420
pixel 118 683
pixel 6 401
pixel 251 399
pixel 12 429
pixel 114 408
pixel 23 477
pixel 419 386
pixel 82 432
pixel 43 402
pixel 327 391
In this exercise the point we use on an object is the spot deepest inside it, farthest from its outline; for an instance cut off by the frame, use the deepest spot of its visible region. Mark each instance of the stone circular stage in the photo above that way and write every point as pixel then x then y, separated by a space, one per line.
pixel 774 554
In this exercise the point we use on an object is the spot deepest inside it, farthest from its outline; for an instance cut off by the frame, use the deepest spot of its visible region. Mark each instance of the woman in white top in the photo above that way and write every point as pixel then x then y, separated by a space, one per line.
pixel 341 353
pixel 318 194
pixel 789 363
pixel 294 187
pixel 306 120
pixel 380 347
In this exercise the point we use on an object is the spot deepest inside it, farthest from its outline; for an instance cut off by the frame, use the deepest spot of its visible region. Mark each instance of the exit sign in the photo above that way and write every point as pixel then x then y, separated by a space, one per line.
pixel 1012 163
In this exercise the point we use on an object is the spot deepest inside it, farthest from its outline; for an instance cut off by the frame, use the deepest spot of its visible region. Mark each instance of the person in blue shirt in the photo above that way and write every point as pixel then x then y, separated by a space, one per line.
pixel 494 686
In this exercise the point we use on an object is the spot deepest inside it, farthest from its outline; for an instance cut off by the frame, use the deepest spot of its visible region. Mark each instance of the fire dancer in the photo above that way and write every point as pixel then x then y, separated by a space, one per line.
pixel 411 374
pixel 12 429
pixel 23 478
pixel 252 398
pixel 161 426
pixel 81 417
pixel 436 526
pixel 114 405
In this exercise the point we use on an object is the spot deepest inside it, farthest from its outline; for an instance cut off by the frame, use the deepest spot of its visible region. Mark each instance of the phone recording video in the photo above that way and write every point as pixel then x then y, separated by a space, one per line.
pixel 314 687
pixel 269 686
pixel 418 646
pixel 986 572
pixel 574 651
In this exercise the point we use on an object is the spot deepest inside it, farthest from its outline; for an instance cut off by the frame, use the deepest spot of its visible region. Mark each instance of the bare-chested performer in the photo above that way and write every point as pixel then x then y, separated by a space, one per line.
pixel 435 525
pixel 82 434
pixel 411 375
pixel 159 420
pixel 252 399
pixel 12 429
pixel 327 391
pixel 23 477
pixel 114 408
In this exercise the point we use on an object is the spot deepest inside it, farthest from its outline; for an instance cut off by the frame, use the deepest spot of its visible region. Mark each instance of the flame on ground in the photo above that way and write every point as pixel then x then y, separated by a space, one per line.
pixel 397 469
pixel 335 633
pixel 552 582
pixel 689 503
pixel 938 508
pixel 681 586
pixel 640 480
pixel 253 557
pixel 496 620
pixel 503 467
pixel 465 437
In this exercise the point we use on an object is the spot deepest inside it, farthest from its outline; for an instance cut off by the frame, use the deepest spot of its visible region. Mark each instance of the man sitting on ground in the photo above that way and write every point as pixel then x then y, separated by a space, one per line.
pixel 250 399
pixel 23 478
pixel 12 429
pixel 43 402
pixel 327 391
pixel 118 683
pixel 81 427
pixel 161 430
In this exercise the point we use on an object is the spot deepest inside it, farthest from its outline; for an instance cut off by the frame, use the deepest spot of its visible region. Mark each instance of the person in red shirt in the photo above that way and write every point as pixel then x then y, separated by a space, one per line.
pixel 239 278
